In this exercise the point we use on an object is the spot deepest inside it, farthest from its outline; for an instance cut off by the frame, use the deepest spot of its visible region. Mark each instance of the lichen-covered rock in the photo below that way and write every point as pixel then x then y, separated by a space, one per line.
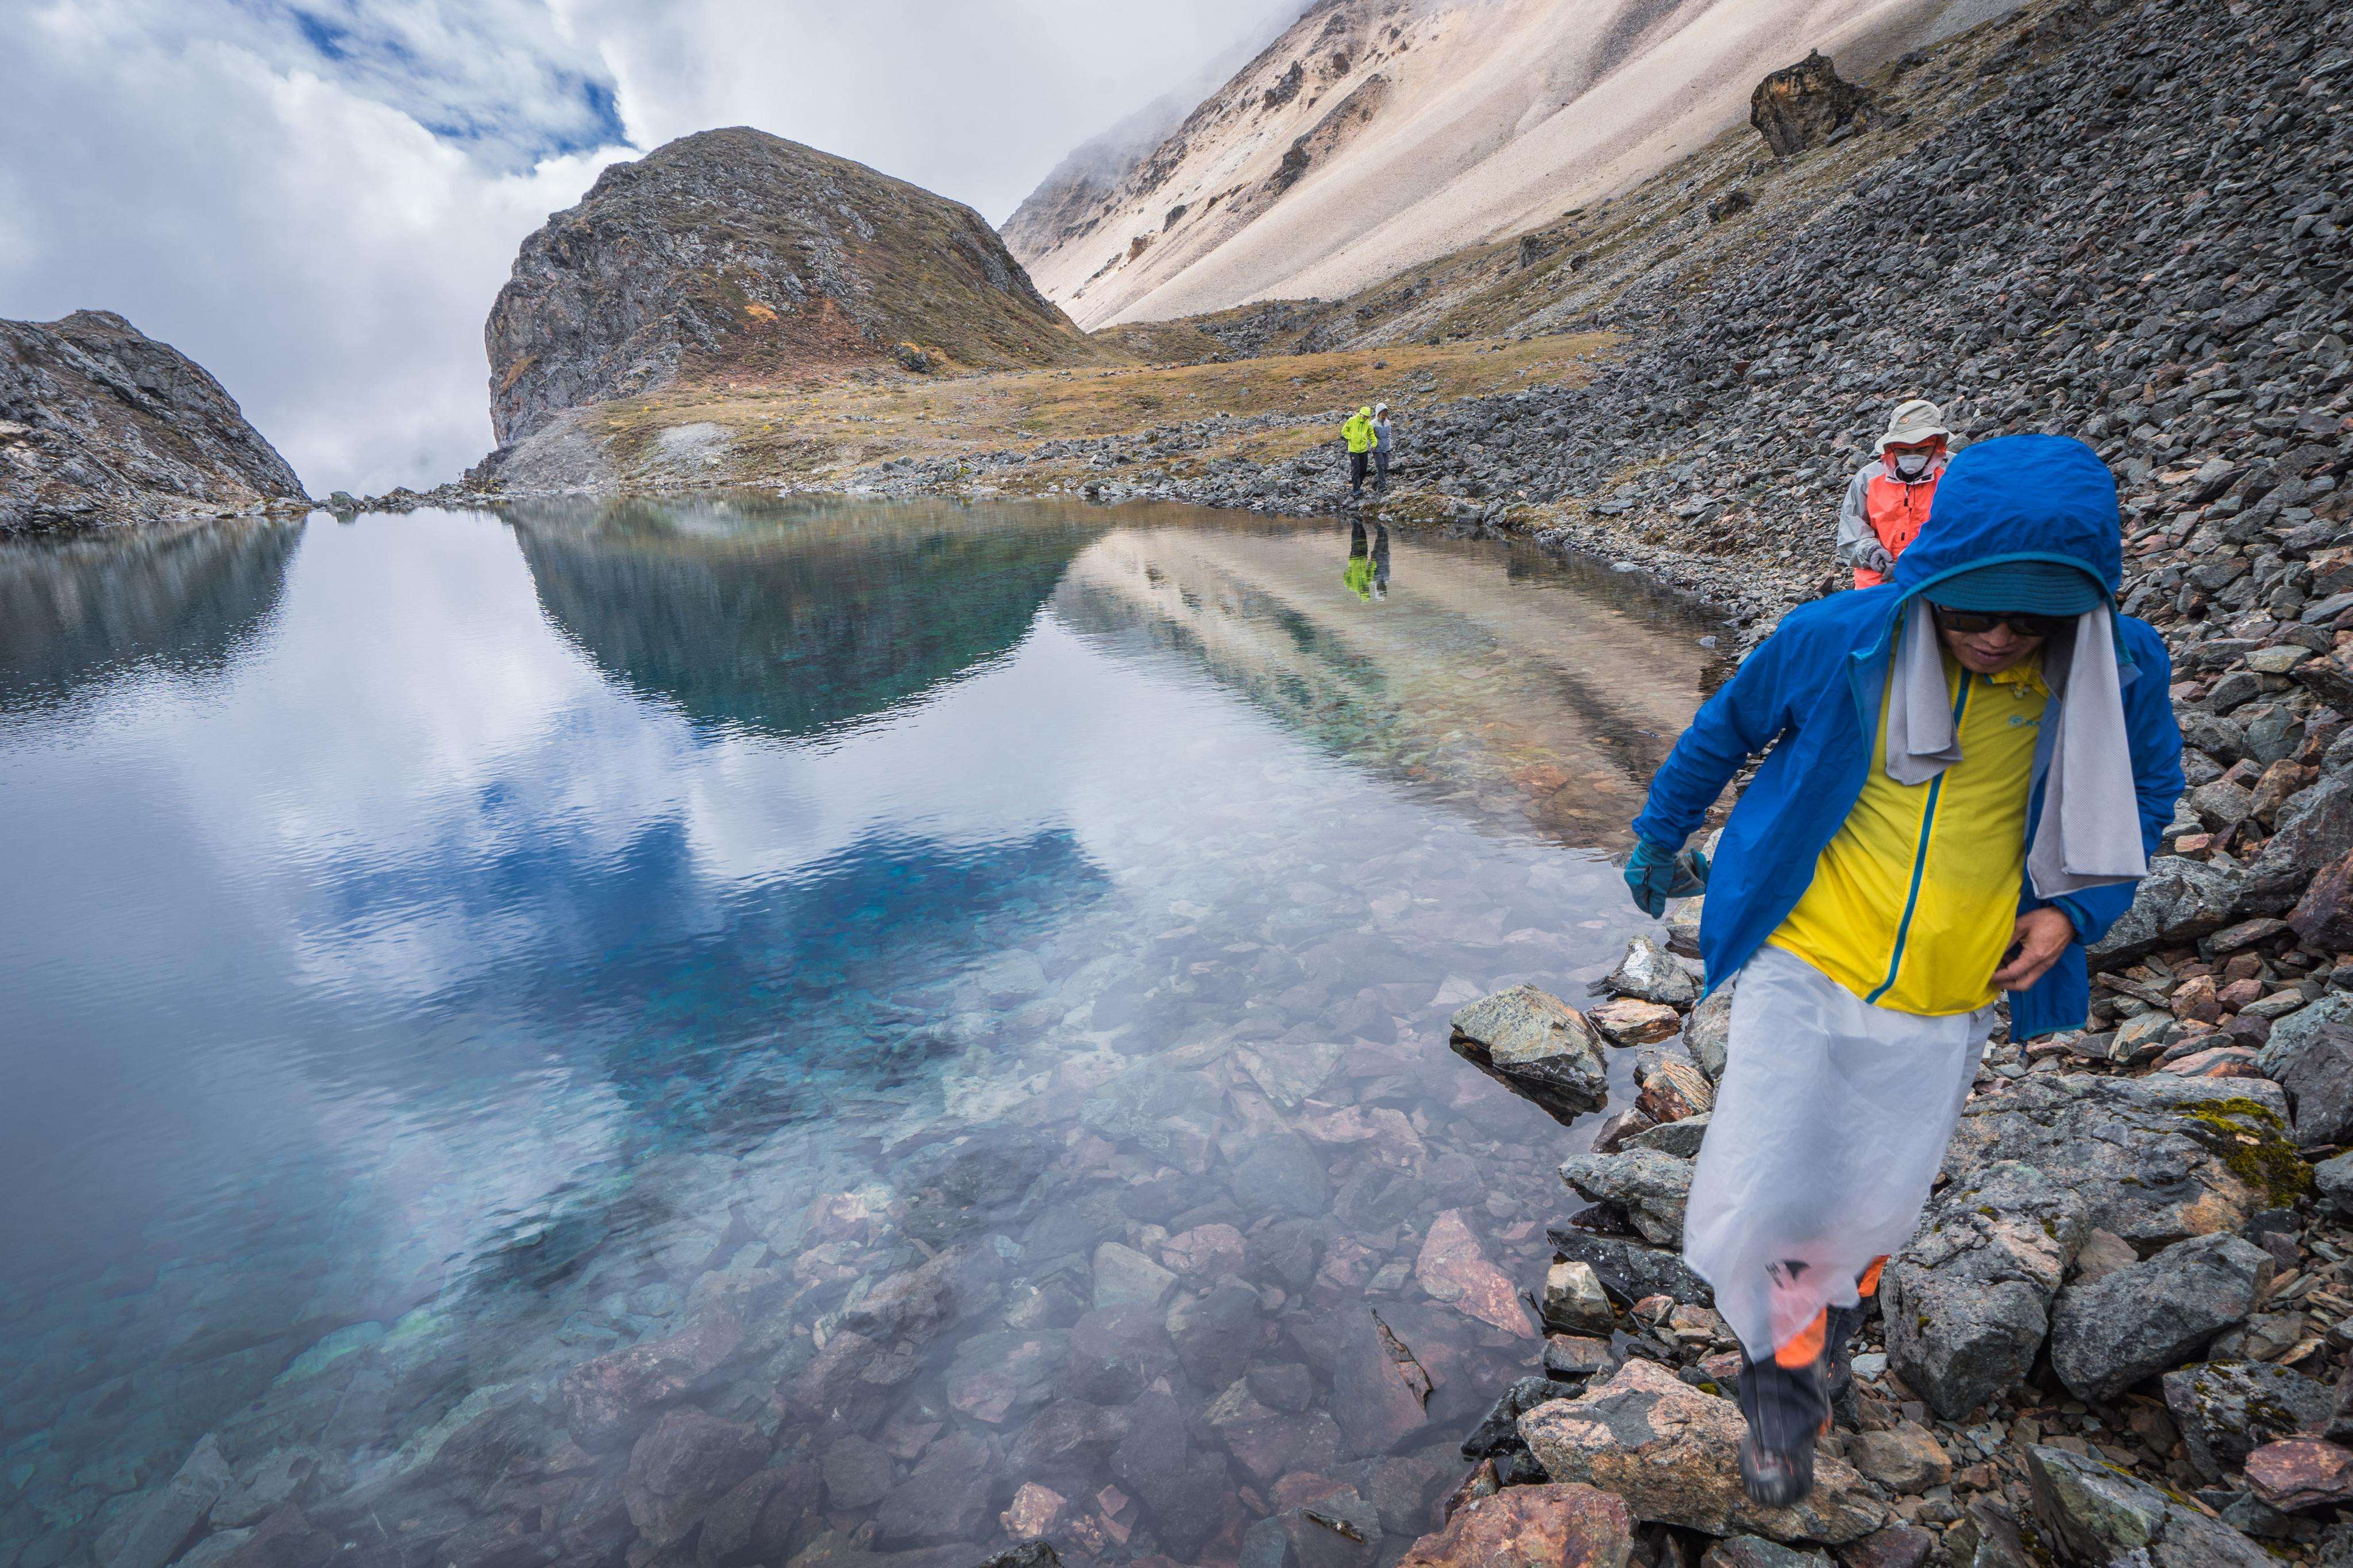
pixel 1670 1451
pixel 2226 1410
pixel 102 425
pixel 2155 1160
pixel 1650 1187
pixel 2097 1514
pixel 2141 1321
pixel 1537 1045
pixel 1968 1304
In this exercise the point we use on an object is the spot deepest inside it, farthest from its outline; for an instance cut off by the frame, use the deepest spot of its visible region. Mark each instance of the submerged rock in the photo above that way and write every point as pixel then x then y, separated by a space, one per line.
pixel 1670 1451
pixel 1537 1045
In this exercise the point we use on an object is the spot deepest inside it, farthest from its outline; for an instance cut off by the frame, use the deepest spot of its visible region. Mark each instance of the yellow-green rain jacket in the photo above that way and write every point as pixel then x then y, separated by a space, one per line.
pixel 1358 431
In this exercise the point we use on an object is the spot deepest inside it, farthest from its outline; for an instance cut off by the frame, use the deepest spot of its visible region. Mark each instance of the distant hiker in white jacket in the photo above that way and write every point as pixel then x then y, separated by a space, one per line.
pixel 1888 500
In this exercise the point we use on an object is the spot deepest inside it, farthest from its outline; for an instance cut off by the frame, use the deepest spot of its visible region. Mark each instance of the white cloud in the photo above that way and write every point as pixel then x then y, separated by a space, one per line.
pixel 317 201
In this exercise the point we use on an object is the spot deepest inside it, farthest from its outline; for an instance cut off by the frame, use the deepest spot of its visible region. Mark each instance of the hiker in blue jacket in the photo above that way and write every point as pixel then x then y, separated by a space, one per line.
pixel 1964 769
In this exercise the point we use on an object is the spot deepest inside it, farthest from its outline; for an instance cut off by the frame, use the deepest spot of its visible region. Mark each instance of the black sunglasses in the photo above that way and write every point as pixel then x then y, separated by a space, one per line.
pixel 1969 623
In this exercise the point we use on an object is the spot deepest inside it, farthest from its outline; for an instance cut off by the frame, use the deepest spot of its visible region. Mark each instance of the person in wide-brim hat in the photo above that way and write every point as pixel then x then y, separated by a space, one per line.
pixel 1887 501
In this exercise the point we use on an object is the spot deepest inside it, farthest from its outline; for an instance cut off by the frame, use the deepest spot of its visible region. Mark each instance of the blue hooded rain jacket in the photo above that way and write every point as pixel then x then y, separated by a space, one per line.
pixel 1808 699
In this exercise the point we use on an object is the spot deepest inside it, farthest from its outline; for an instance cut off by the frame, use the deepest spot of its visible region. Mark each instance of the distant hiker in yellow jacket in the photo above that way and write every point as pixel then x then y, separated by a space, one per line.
pixel 1358 432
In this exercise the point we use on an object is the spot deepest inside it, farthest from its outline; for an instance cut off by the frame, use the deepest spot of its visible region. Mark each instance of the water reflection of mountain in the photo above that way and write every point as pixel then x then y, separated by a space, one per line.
pixel 793 617
pixel 1539 696
pixel 76 612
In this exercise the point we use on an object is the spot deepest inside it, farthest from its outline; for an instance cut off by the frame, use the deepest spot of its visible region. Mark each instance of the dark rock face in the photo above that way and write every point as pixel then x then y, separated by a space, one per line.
pixel 102 425
pixel 1800 106
pixel 2140 1320
pixel 1968 1302
pixel 737 254
pixel 2100 1514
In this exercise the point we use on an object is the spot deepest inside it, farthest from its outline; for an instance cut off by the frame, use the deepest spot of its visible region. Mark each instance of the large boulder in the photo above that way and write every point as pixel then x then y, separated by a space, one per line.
pixel 2226 1410
pixel 2141 1321
pixel 2309 1053
pixel 2096 1513
pixel 2155 1160
pixel 1650 1187
pixel 1968 1304
pixel 1672 1452
pixel 1801 106
pixel 1558 1525
pixel 1537 1045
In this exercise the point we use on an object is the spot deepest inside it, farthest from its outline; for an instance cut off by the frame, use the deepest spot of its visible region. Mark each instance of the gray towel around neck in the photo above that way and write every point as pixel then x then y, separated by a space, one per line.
pixel 2089 835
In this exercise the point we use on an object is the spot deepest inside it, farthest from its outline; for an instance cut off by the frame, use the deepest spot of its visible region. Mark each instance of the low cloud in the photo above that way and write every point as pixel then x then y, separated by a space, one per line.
pixel 318 202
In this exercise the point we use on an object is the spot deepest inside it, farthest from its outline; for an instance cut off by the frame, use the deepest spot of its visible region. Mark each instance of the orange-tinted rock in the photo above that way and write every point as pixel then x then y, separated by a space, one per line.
pixel 1552 1526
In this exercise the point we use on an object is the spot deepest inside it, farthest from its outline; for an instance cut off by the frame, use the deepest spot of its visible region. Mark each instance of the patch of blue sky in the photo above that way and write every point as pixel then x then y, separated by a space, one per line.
pixel 498 79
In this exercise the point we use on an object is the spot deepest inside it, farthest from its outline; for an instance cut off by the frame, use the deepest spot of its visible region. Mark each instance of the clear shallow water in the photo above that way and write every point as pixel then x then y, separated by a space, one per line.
pixel 445 949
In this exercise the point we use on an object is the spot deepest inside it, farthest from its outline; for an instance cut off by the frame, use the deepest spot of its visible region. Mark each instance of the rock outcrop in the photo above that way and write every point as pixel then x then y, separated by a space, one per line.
pixel 1806 105
pixel 102 425
pixel 736 255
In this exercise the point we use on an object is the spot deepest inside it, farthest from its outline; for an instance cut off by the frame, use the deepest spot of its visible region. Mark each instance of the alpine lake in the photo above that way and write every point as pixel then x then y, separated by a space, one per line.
pixel 740 1030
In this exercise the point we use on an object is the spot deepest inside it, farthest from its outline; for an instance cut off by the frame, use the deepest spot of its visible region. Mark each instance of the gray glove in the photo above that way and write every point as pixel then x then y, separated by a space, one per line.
pixel 1876 559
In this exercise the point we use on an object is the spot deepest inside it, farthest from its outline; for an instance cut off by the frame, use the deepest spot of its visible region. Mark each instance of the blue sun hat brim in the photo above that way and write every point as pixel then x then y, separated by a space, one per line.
pixel 2020 587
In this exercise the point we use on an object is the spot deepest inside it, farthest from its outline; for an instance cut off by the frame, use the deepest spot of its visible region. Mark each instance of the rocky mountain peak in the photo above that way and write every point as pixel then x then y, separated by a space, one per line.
pixel 101 424
pixel 736 254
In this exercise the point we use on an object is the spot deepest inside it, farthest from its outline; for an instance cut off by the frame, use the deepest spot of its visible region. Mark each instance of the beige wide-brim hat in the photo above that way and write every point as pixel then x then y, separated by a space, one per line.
pixel 1912 423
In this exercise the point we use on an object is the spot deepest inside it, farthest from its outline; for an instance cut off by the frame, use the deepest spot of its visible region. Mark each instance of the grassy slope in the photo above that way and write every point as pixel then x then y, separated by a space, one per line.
pixel 818 436
pixel 1488 319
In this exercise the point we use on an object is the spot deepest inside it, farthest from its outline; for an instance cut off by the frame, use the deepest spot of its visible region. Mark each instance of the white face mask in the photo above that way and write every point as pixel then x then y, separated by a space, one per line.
pixel 1911 465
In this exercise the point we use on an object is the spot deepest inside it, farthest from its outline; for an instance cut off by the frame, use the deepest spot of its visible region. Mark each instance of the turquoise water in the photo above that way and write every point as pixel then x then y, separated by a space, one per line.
pixel 970 982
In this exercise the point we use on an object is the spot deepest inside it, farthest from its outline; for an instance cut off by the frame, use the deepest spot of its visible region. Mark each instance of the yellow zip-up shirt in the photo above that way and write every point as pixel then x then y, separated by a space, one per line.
pixel 1912 905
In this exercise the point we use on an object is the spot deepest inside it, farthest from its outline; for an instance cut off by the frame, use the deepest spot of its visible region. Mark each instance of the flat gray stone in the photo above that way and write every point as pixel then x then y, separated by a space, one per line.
pixel 2148 1317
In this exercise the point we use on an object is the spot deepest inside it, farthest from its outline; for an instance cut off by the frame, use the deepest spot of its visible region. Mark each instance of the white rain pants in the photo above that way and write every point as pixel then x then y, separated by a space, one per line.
pixel 1830 1127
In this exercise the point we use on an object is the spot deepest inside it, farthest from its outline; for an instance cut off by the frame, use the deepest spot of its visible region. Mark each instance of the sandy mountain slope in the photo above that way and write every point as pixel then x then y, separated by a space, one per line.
pixel 1376 135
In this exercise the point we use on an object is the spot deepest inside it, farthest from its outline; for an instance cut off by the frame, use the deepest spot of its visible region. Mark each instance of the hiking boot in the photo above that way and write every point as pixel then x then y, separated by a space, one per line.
pixel 1776 1478
pixel 1838 1349
pixel 1787 1408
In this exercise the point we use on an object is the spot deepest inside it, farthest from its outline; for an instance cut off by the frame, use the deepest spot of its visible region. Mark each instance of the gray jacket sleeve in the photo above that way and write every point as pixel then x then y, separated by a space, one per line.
pixel 1855 541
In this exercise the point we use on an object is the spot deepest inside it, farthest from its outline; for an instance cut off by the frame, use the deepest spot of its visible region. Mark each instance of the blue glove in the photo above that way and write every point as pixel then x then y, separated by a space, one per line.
pixel 1655 873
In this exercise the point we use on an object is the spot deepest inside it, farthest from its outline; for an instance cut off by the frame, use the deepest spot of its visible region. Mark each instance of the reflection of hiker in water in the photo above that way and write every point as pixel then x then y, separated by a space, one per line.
pixel 1367 573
